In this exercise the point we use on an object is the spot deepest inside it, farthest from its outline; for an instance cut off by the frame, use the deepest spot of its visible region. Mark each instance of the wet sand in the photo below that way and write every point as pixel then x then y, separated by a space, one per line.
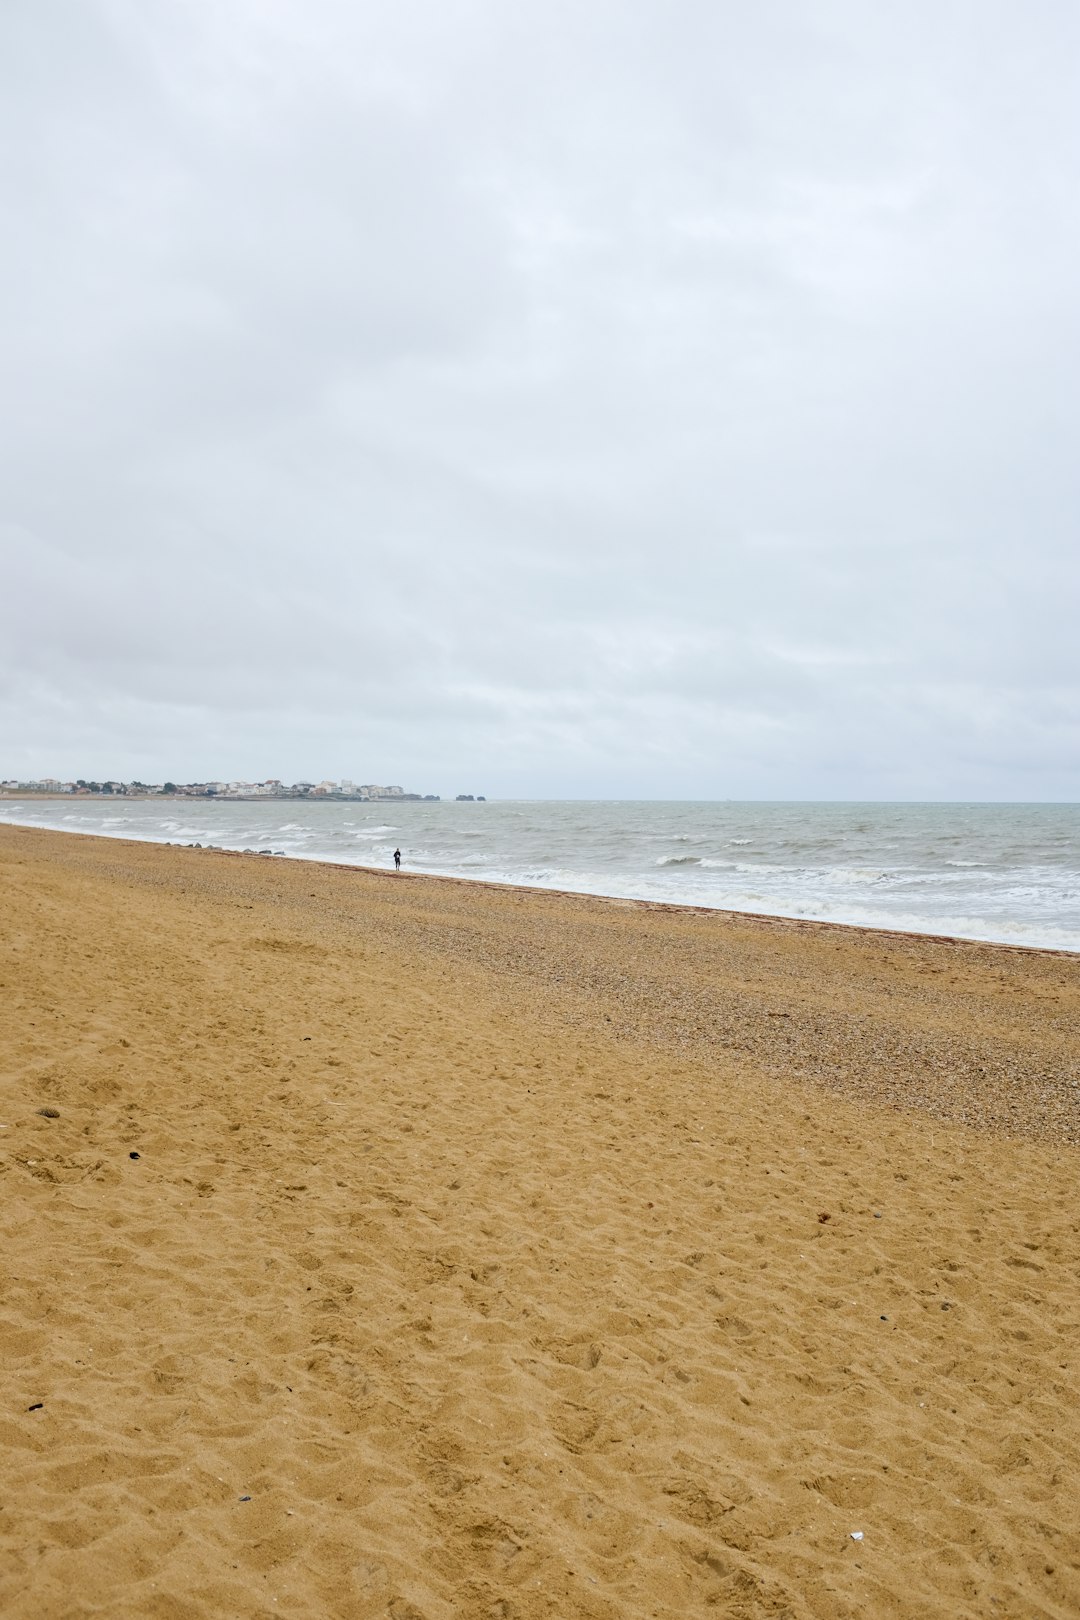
pixel 498 1253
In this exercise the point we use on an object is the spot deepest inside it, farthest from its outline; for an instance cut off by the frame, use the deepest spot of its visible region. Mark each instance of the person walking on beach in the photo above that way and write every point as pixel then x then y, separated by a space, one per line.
pixel 397 860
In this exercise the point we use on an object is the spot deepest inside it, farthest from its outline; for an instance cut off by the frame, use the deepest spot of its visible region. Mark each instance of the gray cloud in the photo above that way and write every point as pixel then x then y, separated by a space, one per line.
pixel 611 400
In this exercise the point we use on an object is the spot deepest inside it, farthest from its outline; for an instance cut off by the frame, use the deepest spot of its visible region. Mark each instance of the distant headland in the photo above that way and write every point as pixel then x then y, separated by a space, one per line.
pixel 272 788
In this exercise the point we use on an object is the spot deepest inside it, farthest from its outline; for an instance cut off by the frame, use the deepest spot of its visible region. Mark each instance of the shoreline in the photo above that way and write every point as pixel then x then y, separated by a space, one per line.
pixel 387 1248
pixel 893 985
pixel 586 894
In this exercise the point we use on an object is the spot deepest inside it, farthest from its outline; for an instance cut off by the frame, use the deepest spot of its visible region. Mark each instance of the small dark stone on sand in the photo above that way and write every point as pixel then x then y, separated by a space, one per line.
pixel 37 1406
pixel 245 1499
pixel 134 1155
pixel 49 1113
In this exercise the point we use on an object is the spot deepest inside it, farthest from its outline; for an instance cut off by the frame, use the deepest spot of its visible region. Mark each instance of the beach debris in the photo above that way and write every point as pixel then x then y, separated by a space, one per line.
pixel 245 1499
pixel 856 1535
pixel 37 1406
pixel 884 1318
pixel 49 1113
pixel 134 1155
pixel 823 1217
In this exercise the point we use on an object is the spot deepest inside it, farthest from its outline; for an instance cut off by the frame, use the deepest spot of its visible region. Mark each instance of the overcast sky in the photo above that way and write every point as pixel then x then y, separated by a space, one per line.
pixel 603 398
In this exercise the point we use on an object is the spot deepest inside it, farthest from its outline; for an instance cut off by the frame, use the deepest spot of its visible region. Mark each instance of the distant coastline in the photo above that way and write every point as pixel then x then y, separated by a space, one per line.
pixel 157 796
pixel 234 791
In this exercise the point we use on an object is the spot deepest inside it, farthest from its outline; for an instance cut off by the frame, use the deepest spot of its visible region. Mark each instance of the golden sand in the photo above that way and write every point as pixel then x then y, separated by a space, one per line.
pixel 491 1253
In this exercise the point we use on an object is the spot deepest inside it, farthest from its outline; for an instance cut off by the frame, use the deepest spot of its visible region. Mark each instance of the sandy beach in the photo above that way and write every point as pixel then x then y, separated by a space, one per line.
pixel 403 1249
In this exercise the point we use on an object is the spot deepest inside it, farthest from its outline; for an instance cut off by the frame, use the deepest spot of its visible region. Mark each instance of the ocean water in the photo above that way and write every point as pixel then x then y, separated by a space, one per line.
pixel 1008 872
